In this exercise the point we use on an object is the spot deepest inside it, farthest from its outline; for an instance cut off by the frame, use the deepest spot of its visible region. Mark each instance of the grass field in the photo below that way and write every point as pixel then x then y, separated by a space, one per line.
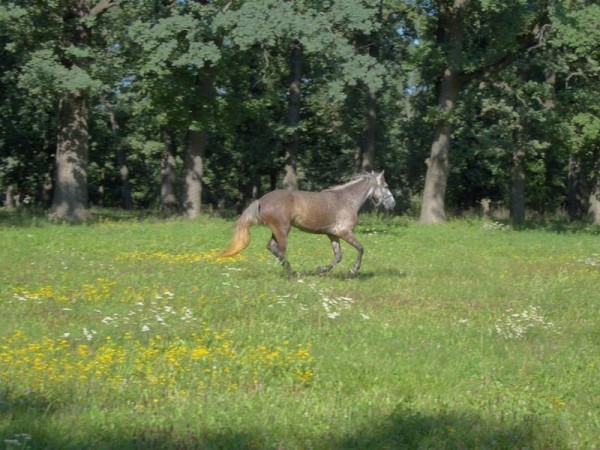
pixel 130 335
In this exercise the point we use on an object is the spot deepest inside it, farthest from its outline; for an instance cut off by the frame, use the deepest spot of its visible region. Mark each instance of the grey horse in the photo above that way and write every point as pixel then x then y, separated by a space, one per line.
pixel 333 211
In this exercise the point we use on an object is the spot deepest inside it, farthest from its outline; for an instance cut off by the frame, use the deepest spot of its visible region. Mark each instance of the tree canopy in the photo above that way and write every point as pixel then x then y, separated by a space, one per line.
pixel 184 105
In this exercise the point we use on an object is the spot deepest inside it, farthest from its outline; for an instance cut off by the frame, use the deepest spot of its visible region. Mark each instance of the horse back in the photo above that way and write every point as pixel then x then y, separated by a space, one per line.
pixel 316 212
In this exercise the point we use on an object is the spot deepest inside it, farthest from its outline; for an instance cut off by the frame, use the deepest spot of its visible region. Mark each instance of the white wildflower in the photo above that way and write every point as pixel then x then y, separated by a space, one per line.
pixel 334 306
pixel 517 325
pixel 89 334
pixel 187 314
pixel 592 261
pixel 495 226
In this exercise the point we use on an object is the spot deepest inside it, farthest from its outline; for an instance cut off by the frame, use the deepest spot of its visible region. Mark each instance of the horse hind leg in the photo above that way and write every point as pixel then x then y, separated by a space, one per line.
pixel 278 248
pixel 337 255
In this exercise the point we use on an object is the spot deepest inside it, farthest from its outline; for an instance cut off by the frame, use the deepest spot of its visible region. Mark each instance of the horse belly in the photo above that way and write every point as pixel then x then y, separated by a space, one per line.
pixel 314 214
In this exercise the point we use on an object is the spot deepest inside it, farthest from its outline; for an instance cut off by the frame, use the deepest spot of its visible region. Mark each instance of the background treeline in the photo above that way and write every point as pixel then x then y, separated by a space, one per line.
pixel 185 105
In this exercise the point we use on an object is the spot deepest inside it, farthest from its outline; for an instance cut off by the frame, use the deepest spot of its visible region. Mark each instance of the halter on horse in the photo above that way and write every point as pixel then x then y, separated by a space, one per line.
pixel 333 212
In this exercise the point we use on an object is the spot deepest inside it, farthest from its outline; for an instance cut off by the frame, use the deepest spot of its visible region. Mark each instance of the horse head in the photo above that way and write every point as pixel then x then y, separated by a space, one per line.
pixel 382 194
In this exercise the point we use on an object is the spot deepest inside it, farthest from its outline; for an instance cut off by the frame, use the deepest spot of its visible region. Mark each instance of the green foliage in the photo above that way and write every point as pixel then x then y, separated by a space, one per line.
pixel 149 62
pixel 45 75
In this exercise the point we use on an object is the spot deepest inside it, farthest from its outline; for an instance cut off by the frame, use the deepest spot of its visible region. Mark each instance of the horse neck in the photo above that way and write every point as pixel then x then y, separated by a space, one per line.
pixel 358 192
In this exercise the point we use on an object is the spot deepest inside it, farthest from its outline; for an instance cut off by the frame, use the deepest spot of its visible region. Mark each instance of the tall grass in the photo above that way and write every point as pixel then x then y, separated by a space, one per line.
pixel 131 335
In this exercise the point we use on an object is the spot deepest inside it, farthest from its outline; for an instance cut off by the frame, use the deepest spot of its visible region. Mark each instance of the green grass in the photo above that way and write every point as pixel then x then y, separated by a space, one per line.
pixel 128 334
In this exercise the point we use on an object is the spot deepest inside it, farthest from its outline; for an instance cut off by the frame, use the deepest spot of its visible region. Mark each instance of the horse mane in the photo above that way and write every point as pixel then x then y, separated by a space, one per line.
pixel 354 179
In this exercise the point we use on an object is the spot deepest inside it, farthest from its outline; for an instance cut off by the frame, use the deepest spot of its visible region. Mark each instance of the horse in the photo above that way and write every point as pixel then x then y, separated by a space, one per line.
pixel 333 212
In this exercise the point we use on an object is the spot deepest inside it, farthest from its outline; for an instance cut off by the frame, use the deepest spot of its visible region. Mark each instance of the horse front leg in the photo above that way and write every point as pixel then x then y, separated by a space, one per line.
pixel 278 249
pixel 337 254
pixel 349 237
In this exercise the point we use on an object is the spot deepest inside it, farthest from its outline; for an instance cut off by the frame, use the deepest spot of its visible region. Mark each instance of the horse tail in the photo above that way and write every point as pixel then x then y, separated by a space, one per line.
pixel 241 236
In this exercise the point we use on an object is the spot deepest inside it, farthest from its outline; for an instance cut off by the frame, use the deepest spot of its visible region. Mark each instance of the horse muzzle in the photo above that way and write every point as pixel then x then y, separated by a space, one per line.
pixel 388 202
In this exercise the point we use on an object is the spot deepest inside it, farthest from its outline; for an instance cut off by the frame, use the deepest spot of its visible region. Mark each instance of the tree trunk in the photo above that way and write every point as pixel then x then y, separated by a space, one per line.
pixel 47 184
pixel 121 163
pixel 195 149
pixel 594 208
pixel 357 153
pixel 192 172
pixel 70 200
pixel 101 187
pixel 290 179
pixel 368 148
pixel 10 202
pixel 367 163
pixel 517 191
pixel 577 197
pixel 436 179
pixel 168 174
pixel 433 206
pixel 46 188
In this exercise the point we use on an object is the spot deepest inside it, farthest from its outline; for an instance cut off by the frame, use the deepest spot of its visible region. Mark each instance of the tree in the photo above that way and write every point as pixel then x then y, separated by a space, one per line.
pixel 574 41
pixel 168 172
pixel 290 178
pixel 127 200
pixel 473 47
pixel 319 36
pixel 236 98
pixel 180 54
pixel 59 56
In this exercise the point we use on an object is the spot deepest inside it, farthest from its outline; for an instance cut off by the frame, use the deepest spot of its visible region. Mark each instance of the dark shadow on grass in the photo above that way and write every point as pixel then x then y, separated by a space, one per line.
pixel 409 429
pixel 405 428
pixel 152 439
pixel 555 226
pixel 24 217
pixel 168 438
pixel 34 404
pixel 26 422
pixel 35 217
pixel 338 273
pixel 341 274
pixel 568 228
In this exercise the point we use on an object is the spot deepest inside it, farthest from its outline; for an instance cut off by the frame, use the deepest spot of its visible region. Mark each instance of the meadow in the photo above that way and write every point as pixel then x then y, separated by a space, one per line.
pixel 130 334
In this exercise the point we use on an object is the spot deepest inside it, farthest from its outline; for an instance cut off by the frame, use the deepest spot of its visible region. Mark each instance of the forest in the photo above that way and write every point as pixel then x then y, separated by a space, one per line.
pixel 184 106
